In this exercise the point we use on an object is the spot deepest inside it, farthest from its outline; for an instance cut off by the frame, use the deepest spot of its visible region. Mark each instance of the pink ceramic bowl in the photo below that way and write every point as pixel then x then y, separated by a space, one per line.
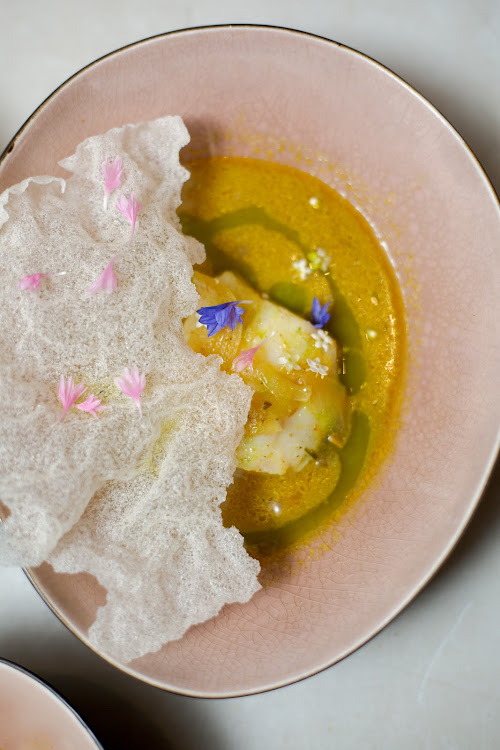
pixel 317 105
pixel 33 716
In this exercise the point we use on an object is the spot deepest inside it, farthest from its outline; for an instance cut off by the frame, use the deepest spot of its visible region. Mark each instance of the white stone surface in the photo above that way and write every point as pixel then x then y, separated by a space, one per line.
pixel 430 680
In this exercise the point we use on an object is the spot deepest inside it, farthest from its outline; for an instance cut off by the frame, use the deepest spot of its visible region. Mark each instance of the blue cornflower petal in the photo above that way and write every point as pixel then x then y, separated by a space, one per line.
pixel 217 317
pixel 319 315
pixel 235 317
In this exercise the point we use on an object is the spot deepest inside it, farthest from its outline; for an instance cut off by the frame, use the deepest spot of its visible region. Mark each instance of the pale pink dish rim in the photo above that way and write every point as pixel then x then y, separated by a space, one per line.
pixel 9 147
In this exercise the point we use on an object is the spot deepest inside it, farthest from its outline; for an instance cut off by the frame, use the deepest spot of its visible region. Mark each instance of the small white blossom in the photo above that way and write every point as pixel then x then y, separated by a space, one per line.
pixel 319 259
pixel 303 268
pixel 316 366
pixel 289 362
pixel 325 259
pixel 322 340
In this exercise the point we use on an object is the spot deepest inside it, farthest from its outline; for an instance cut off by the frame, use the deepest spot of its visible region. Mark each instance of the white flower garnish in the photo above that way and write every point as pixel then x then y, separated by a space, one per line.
pixel 322 340
pixel 325 259
pixel 303 268
pixel 289 362
pixel 316 366
pixel 319 259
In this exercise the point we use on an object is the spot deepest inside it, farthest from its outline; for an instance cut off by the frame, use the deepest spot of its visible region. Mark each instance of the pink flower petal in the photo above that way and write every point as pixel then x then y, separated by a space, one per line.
pixel 132 384
pixel 31 281
pixel 106 282
pixel 68 393
pixel 92 405
pixel 129 207
pixel 112 172
pixel 245 358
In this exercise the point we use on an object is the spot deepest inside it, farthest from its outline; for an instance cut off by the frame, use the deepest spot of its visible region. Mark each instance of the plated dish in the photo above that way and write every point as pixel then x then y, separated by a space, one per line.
pixel 33 715
pixel 201 377
pixel 340 589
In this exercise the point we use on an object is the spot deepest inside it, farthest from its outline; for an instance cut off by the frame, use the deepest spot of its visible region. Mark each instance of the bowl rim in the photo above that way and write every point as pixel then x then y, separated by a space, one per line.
pixel 259 27
pixel 17 667
pixel 491 459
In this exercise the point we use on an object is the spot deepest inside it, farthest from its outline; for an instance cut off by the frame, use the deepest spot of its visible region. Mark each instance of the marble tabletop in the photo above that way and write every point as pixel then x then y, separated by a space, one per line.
pixel 430 680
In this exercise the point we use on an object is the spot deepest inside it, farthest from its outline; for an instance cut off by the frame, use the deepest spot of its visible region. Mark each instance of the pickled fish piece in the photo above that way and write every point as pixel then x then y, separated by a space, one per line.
pixel 265 415
pixel 290 340
pixel 282 450
pixel 266 378
pixel 293 408
pixel 325 415
pixel 238 286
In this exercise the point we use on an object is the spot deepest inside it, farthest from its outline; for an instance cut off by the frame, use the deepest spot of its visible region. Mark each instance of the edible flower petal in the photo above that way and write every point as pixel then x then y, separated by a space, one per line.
pixel 112 172
pixel 289 362
pixel 129 207
pixel 217 317
pixel 68 393
pixel 106 281
pixel 92 405
pixel 303 269
pixel 132 384
pixel 314 365
pixel 322 340
pixel 319 260
pixel 31 281
pixel 319 315
pixel 245 358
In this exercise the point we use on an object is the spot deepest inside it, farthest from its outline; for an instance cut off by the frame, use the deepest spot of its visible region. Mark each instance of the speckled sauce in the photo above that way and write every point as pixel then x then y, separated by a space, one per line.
pixel 292 238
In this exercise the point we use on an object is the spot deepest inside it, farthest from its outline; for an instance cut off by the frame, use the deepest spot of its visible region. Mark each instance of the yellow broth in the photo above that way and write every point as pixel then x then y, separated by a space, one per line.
pixel 258 218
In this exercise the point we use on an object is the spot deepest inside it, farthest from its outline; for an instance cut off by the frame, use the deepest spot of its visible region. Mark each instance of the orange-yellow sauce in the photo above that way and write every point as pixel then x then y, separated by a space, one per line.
pixel 259 218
